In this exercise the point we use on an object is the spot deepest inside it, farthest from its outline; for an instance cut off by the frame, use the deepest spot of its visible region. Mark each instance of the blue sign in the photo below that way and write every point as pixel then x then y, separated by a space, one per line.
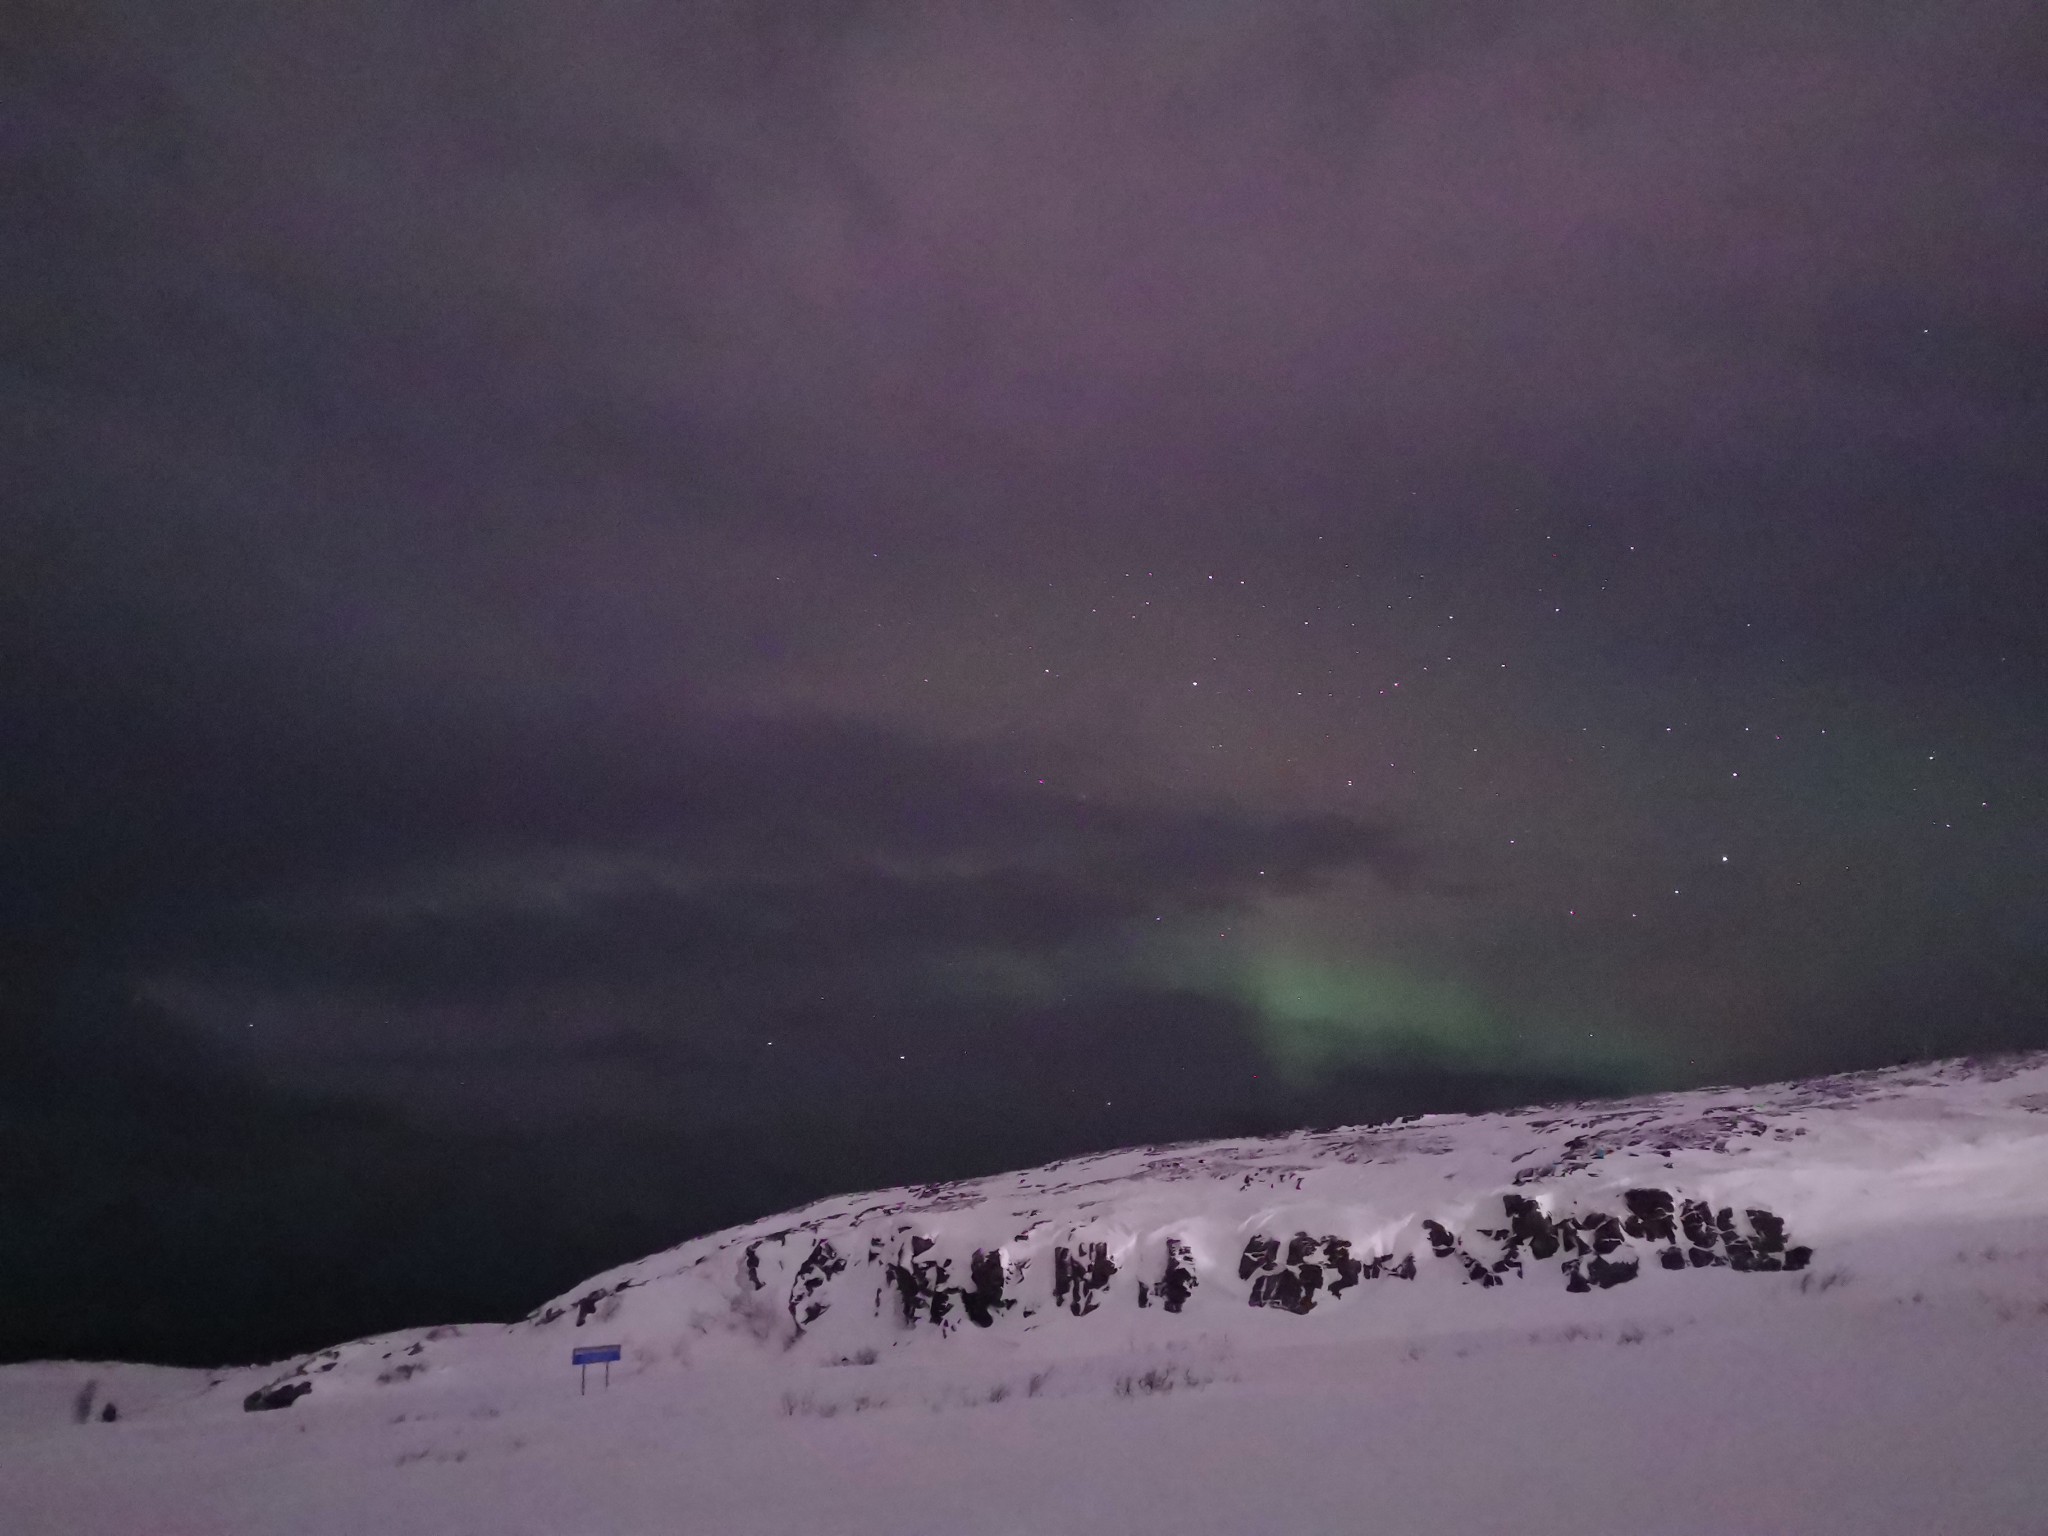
pixel 585 1356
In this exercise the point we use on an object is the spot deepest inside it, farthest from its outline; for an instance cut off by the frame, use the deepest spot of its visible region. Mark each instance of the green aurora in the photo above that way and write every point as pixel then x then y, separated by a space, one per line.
pixel 1317 1016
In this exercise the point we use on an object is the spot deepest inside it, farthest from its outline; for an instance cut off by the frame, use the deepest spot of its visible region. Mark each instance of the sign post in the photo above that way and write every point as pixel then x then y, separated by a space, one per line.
pixel 583 1357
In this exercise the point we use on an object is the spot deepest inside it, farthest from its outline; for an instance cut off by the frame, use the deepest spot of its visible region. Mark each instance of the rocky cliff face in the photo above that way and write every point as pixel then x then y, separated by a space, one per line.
pixel 915 1280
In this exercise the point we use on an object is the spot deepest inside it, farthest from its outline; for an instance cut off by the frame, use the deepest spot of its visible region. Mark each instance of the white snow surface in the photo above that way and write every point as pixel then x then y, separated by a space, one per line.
pixel 1836 1322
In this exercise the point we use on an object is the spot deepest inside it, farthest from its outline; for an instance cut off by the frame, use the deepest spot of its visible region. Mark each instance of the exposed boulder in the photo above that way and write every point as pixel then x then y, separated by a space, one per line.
pixel 1349 1271
pixel 1527 1224
pixel 1650 1215
pixel 1177 1284
pixel 1609 1272
pixel 984 1298
pixel 806 1306
pixel 920 1282
pixel 1080 1275
pixel 1260 1252
pixel 1312 1265
pixel 279 1395
pixel 592 1300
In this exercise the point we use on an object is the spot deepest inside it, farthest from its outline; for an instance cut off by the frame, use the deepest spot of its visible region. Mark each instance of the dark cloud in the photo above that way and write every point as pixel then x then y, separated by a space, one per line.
pixel 311 296
pixel 304 832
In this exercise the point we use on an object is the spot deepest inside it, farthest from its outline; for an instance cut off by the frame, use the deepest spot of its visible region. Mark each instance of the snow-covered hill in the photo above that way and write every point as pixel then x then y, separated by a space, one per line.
pixel 1813 1306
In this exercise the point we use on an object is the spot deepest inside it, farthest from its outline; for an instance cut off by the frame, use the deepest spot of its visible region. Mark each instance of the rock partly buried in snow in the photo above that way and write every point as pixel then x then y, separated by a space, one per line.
pixel 1080 1276
pixel 280 1395
pixel 1178 1283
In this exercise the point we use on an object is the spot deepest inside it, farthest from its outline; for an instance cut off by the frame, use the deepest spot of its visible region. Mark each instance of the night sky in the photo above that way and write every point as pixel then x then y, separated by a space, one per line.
pixel 615 615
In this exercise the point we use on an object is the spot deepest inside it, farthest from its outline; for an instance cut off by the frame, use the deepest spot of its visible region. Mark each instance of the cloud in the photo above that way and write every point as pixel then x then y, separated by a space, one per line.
pixel 313 297
pixel 466 880
pixel 536 858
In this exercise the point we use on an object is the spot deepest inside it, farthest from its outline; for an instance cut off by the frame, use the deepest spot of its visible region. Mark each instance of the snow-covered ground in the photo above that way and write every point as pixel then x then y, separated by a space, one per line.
pixel 1819 1307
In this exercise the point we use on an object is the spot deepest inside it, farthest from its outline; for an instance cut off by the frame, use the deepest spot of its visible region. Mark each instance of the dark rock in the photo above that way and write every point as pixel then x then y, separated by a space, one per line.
pixel 922 1284
pixel 1798 1258
pixel 110 1413
pixel 1080 1276
pixel 1671 1258
pixel 1510 1258
pixel 984 1297
pixel 281 1395
pixel 1291 1290
pixel 1769 1231
pixel 909 1290
pixel 1529 1225
pixel 1610 1272
pixel 1441 1241
pixel 1259 1253
pixel 822 1263
pixel 1477 1273
pixel 1573 1280
pixel 1702 1257
pixel 1650 1215
pixel 1698 1222
pixel 1179 1281
pixel 1337 1256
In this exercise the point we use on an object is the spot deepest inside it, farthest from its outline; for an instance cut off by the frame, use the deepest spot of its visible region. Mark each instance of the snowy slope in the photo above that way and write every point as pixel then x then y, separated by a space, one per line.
pixel 1816 1306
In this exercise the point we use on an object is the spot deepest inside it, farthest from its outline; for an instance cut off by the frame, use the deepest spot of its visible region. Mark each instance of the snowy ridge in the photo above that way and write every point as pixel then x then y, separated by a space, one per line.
pixel 1401 1229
